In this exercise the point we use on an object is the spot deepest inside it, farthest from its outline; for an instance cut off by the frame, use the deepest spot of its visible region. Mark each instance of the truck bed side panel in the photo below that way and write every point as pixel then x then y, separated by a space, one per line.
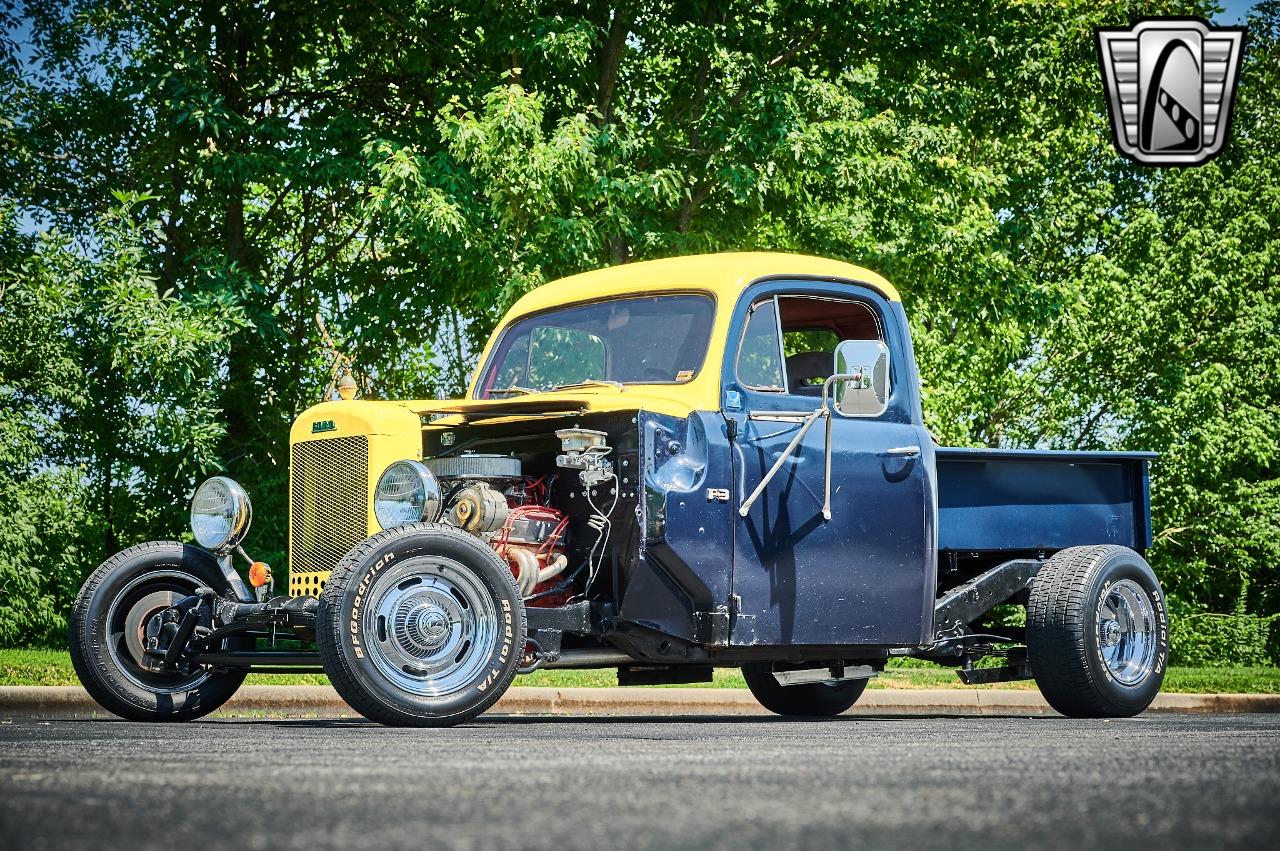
pixel 1023 501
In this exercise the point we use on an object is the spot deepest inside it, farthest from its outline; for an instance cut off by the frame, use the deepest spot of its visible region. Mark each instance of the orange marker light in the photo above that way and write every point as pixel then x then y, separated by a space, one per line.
pixel 259 574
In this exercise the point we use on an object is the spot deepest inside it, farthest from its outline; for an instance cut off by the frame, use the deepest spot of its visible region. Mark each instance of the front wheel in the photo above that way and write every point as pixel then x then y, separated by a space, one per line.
pixel 108 633
pixel 421 626
pixel 814 700
pixel 1097 632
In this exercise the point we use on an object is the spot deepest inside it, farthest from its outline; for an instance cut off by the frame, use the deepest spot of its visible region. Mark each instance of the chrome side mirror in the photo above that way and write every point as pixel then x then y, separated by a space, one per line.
pixel 862 378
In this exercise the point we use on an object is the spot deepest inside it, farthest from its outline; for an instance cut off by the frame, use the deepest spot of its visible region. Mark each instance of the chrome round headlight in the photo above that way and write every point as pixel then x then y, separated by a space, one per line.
pixel 220 514
pixel 407 492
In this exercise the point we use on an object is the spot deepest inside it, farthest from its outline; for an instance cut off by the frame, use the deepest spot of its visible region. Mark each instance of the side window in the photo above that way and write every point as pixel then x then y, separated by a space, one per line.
pixel 759 355
pixel 819 340
pixel 812 327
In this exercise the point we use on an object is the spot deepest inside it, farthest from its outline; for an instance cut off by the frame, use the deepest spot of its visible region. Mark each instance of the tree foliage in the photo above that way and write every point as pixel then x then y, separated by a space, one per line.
pixel 211 176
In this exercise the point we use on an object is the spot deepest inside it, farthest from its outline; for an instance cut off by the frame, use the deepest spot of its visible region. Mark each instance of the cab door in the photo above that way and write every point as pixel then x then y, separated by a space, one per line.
pixel 865 576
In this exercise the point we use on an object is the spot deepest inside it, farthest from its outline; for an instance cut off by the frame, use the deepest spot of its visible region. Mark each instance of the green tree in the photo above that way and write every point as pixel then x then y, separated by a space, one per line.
pixel 221 173
pixel 40 564
pixel 1172 347
pixel 41 505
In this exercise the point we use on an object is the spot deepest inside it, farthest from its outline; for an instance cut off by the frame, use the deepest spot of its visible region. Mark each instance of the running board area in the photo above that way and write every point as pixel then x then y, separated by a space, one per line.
pixel 832 674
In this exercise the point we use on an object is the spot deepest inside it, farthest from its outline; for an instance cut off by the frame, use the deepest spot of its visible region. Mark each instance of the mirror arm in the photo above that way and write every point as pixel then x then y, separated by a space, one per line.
pixel 823 411
pixel 826 465
pixel 826 450
pixel 838 377
pixel 786 453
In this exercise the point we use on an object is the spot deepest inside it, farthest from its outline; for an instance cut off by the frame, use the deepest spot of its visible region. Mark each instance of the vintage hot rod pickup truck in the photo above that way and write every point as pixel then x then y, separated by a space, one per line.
pixel 660 468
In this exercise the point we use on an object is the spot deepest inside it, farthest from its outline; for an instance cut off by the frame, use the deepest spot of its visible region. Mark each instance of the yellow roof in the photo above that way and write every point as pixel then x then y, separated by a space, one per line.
pixel 725 275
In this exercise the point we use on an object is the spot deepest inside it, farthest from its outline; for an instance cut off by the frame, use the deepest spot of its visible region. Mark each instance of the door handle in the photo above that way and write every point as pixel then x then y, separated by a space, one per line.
pixel 902 451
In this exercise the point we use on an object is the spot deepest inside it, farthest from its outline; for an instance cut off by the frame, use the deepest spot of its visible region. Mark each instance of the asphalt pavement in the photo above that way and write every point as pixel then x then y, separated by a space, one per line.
pixel 1167 781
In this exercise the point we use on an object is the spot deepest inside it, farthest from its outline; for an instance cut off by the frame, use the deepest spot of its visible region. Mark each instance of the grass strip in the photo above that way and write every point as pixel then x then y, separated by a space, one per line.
pixel 53 668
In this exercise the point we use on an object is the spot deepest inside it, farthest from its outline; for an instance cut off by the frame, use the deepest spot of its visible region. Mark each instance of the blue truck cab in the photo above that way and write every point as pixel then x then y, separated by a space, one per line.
pixel 659 468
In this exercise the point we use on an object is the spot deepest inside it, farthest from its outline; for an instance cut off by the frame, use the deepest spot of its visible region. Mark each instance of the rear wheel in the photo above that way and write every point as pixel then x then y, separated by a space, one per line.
pixel 107 634
pixel 1097 632
pixel 421 626
pixel 809 699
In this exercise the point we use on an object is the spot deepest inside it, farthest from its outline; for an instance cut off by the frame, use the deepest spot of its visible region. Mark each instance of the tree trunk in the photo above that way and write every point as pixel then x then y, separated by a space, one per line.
pixel 610 57
pixel 240 398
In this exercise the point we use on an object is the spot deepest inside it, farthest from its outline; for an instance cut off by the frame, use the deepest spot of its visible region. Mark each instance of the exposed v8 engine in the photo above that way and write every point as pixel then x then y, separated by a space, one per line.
pixel 487 496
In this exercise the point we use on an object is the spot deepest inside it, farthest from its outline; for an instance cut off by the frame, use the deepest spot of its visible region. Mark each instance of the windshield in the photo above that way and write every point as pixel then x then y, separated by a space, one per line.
pixel 649 340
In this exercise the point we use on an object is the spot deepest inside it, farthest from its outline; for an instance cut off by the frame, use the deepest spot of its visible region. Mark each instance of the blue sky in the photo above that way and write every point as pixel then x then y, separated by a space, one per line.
pixel 1233 11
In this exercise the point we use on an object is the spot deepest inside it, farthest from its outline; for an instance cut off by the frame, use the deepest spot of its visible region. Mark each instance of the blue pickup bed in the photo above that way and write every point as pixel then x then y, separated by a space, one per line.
pixel 1013 500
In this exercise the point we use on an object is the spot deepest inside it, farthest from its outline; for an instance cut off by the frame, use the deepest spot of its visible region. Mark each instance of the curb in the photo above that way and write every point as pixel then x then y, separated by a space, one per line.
pixel 313 701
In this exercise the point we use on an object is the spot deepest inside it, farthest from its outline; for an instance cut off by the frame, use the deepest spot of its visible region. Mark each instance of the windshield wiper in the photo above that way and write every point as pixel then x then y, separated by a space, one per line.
pixel 513 390
pixel 592 382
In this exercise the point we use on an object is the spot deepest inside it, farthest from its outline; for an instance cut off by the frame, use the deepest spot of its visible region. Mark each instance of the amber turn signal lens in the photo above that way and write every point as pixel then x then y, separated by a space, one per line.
pixel 259 574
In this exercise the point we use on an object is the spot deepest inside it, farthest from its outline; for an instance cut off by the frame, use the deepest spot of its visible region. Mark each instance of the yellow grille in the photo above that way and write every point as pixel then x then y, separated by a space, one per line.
pixel 328 507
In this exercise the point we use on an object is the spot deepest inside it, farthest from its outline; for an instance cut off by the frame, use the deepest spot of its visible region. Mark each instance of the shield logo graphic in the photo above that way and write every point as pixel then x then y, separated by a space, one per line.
pixel 1171 83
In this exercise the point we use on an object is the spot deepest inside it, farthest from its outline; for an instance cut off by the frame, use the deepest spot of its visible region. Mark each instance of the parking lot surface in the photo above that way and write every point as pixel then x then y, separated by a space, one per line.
pixel 1169 781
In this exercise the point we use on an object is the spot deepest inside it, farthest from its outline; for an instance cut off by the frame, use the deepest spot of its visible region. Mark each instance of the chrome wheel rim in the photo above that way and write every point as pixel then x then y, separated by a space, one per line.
pixel 430 626
pixel 1126 631
pixel 127 618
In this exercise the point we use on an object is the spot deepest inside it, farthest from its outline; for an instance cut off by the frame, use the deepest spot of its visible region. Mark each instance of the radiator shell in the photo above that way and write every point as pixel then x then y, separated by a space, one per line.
pixel 337 452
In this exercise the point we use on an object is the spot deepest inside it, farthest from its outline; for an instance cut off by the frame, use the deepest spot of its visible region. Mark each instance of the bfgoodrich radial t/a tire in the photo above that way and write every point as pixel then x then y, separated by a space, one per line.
pixel 107 626
pixel 1097 632
pixel 820 700
pixel 421 626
